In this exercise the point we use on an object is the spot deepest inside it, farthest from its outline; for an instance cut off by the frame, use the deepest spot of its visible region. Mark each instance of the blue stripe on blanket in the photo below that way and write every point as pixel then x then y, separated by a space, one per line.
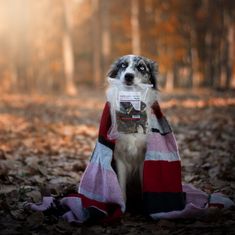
pixel 105 142
pixel 162 156
pixel 102 155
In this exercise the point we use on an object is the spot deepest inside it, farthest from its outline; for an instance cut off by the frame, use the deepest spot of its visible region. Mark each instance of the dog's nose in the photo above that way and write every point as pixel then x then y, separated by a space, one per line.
pixel 129 77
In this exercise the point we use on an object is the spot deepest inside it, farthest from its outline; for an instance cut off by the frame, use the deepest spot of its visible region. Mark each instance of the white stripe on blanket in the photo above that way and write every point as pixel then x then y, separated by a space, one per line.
pixel 190 211
pixel 102 155
pixel 162 156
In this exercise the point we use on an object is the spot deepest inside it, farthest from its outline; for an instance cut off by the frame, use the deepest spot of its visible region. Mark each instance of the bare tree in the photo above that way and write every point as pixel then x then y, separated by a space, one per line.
pixel 135 27
pixel 106 43
pixel 19 50
pixel 68 51
pixel 230 50
pixel 96 42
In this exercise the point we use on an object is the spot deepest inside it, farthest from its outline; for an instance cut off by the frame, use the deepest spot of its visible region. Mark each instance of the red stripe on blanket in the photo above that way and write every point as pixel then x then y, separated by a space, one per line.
pixel 157 110
pixel 112 210
pixel 216 205
pixel 87 202
pixel 104 206
pixel 162 176
pixel 105 124
pixel 115 214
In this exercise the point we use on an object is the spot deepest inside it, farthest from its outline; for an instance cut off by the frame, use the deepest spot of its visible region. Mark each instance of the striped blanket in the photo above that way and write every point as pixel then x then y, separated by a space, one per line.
pixel 99 196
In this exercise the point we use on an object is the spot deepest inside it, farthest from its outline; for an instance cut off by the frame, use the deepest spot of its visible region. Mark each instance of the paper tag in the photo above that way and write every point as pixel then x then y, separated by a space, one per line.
pixel 130 96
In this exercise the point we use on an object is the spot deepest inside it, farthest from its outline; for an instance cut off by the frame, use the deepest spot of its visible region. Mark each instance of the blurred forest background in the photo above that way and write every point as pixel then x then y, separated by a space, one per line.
pixel 54 46
pixel 54 55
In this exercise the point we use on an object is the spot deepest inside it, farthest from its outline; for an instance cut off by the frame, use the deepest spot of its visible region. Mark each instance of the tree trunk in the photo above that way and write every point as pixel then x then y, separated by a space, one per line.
pixel 231 36
pixel 194 60
pixel 96 43
pixel 106 44
pixel 169 81
pixel 230 47
pixel 135 27
pixel 195 67
pixel 191 68
pixel 208 61
pixel 68 52
pixel 21 56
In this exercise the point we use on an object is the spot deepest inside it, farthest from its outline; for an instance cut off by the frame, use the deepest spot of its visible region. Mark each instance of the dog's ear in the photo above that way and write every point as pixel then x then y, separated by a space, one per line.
pixel 113 71
pixel 153 69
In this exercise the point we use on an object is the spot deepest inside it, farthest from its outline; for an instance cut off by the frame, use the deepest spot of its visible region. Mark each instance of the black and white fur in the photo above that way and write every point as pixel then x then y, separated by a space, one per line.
pixel 132 70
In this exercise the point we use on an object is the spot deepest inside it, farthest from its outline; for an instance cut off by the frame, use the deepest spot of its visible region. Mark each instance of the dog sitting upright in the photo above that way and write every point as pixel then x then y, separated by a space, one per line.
pixel 132 72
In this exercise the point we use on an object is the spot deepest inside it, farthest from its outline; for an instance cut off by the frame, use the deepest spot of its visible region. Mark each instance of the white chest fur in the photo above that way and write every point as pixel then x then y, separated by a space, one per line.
pixel 130 150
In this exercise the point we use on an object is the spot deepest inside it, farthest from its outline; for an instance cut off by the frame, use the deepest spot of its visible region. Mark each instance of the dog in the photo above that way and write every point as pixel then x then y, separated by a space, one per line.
pixel 132 71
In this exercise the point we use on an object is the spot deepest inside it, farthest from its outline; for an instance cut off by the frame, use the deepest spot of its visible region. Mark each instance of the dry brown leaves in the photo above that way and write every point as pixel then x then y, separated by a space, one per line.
pixel 46 142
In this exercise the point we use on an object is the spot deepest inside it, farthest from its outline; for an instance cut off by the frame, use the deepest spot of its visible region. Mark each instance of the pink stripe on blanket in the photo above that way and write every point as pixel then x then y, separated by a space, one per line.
pixel 195 195
pixel 190 211
pixel 76 207
pixel 101 184
pixel 161 143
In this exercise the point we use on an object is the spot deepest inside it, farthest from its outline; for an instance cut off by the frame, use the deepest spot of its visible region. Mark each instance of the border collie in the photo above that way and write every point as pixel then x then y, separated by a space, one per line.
pixel 132 72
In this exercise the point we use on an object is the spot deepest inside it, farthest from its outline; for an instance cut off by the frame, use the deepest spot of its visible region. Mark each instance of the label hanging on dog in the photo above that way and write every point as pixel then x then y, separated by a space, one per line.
pixel 130 97
pixel 131 116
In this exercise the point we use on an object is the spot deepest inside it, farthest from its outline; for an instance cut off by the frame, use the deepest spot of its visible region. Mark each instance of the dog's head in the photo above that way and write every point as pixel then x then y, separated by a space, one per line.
pixel 134 70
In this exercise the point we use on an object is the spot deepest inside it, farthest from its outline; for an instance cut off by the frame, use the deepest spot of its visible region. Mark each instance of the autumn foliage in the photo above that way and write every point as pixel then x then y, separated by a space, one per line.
pixel 55 47
pixel 46 143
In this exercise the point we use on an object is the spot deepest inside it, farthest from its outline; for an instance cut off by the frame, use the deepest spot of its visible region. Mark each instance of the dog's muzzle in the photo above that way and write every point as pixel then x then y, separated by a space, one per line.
pixel 129 78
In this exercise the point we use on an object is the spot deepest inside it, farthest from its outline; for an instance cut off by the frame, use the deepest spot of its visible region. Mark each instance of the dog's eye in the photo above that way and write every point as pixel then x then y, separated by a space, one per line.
pixel 141 68
pixel 123 65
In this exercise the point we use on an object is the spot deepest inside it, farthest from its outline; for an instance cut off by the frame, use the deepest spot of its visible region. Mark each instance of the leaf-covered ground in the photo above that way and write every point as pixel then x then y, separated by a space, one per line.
pixel 47 141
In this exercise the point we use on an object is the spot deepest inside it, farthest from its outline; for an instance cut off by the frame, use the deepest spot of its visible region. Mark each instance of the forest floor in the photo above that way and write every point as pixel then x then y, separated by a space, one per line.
pixel 47 140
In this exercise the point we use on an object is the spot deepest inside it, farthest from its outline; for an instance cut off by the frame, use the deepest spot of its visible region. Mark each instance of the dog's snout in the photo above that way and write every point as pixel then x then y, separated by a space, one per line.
pixel 129 77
